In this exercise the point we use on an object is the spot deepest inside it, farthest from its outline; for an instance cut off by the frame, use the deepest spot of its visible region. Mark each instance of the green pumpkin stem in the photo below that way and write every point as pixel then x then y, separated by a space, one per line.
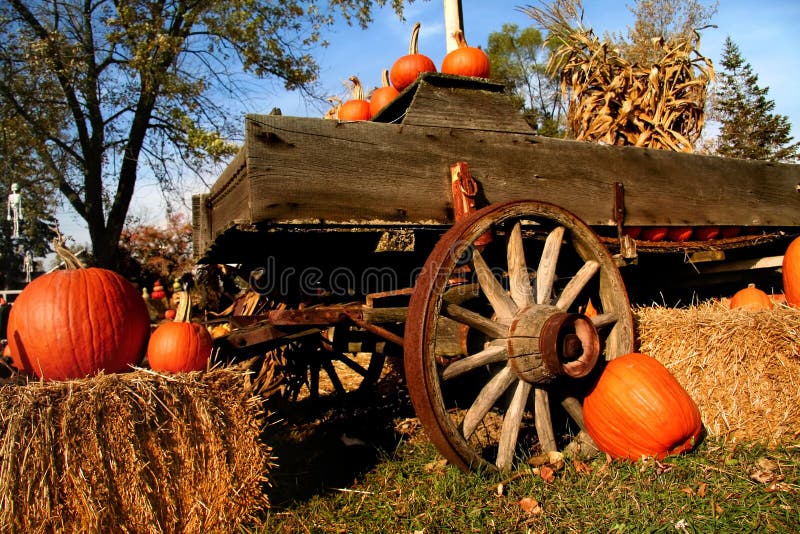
pixel 184 312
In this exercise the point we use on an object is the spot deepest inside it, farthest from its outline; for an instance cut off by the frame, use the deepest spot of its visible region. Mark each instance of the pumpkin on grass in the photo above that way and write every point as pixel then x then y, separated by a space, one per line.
pixel 383 95
pixel 791 273
pixel 637 408
pixel 357 108
pixel 466 60
pixel 76 322
pixel 180 345
pixel 406 69
pixel 751 299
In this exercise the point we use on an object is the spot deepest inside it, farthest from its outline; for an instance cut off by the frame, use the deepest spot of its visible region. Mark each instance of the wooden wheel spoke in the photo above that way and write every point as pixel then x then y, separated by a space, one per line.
pixel 333 376
pixel 546 274
pixel 475 320
pixel 488 395
pixel 511 424
pixel 352 364
pixel 501 303
pixel 604 319
pixel 519 281
pixel 313 380
pixel 489 355
pixel 576 285
pixel 544 423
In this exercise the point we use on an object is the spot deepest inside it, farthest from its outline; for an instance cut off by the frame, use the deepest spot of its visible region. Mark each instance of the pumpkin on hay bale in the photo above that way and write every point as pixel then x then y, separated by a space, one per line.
pixel 134 452
pixel 742 368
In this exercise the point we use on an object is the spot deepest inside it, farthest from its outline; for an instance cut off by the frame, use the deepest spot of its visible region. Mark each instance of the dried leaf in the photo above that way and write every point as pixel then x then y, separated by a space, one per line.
pixel 530 506
pixel 701 489
pixel 581 468
pixel 436 466
pixel 687 491
pixel 547 474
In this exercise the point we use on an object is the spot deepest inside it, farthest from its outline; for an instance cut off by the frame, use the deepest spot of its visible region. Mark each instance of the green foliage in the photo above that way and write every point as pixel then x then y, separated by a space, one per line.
pixel 519 61
pixel 110 87
pixel 749 127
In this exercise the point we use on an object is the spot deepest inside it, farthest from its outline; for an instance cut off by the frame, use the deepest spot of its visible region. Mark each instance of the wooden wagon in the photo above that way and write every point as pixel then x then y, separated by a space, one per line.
pixel 492 256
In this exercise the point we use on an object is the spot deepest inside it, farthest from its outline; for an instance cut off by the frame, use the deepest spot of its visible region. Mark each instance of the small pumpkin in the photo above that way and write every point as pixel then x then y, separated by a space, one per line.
pixel 158 291
pixel 466 60
pixel 706 233
pixel 730 231
pixel 751 299
pixel 791 273
pixel 654 233
pixel 180 345
pixel 383 95
pixel 679 233
pixel 357 108
pixel 637 408
pixel 632 231
pixel 406 69
pixel 76 322
pixel 169 314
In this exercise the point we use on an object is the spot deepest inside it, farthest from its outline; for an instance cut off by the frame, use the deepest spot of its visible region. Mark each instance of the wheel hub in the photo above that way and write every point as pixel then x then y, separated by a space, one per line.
pixel 545 342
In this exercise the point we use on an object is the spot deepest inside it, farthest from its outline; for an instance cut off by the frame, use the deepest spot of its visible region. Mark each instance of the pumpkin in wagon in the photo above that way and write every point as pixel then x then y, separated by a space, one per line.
pixel 406 69
pixel 357 108
pixel 76 322
pixel 180 345
pixel 383 95
pixel 466 60
pixel 751 299
pixel 637 408
pixel 791 273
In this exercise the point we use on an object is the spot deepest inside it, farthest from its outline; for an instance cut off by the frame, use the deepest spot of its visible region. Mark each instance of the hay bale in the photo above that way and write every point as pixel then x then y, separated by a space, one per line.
pixel 134 452
pixel 741 368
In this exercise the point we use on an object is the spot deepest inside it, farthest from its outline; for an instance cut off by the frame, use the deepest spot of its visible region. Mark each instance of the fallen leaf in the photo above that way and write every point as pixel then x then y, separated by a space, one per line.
pixel 718 509
pixel 762 476
pixel 687 491
pixel 530 505
pixel 779 486
pixel 435 466
pixel 581 467
pixel 547 474
pixel 701 489
pixel 766 464
pixel 556 460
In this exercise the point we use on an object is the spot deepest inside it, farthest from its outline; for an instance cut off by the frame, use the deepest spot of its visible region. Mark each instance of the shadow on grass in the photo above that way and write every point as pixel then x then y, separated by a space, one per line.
pixel 327 445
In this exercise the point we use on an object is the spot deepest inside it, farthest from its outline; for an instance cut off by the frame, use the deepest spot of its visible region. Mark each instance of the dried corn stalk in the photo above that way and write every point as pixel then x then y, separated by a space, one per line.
pixel 617 102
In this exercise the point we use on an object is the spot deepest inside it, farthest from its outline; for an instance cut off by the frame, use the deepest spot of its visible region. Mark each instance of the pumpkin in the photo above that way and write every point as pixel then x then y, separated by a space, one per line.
pixel 637 408
pixel 406 69
pixel 791 273
pixel 632 231
pixel 730 231
pixel 169 314
pixel 382 96
pixel 158 291
pixel 679 233
pixel 356 109
pixel 706 233
pixel 74 323
pixel 654 233
pixel 466 60
pixel 751 299
pixel 180 345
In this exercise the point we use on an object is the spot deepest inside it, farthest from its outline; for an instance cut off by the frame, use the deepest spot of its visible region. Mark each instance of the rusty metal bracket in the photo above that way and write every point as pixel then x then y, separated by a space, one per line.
pixel 627 246
pixel 465 190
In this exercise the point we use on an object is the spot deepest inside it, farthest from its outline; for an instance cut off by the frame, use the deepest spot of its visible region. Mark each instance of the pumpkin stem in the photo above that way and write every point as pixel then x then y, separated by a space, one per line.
pixel 184 312
pixel 385 78
pixel 413 47
pixel 357 91
pixel 461 41
pixel 69 258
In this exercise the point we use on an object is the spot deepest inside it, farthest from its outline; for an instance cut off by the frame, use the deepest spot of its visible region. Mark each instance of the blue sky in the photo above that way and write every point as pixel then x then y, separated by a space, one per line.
pixel 767 36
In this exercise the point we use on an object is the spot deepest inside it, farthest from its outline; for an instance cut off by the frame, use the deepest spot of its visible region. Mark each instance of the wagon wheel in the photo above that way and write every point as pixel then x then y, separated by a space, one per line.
pixel 528 342
pixel 318 364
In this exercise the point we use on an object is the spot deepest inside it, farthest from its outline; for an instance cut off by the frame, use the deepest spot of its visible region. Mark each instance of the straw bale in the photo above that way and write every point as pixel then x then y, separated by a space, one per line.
pixel 135 452
pixel 742 368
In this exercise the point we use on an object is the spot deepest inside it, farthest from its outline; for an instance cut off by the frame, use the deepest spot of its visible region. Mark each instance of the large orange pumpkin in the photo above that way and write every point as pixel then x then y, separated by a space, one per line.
pixel 637 408
pixel 751 299
pixel 180 345
pixel 466 60
pixel 74 323
pixel 791 273
pixel 406 69
pixel 357 108
pixel 382 96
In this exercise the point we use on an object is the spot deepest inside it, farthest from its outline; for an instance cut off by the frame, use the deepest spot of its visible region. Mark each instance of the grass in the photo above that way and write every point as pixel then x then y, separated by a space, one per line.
pixel 395 481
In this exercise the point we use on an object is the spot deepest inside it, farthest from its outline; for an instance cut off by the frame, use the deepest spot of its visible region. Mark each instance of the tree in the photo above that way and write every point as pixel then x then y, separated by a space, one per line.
pixel 108 86
pixel 670 20
pixel 748 127
pixel 519 61
pixel 153 253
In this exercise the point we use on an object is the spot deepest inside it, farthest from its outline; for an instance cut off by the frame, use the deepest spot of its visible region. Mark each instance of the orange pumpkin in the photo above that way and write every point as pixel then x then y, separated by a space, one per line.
pixel 751 299
pixel 632 231
pixel 637 408
pixel 679 233
pixel 791 273
pixel 180 345
pixel 730 231
pixel 706 233
pixel 654 233
pixel 356 109
pixel 382 96
pixel 74 323
pixel 406 69
pixel 466 60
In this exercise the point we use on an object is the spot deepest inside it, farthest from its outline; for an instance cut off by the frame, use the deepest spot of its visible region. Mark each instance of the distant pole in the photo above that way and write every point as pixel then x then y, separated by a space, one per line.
pixel 453 20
